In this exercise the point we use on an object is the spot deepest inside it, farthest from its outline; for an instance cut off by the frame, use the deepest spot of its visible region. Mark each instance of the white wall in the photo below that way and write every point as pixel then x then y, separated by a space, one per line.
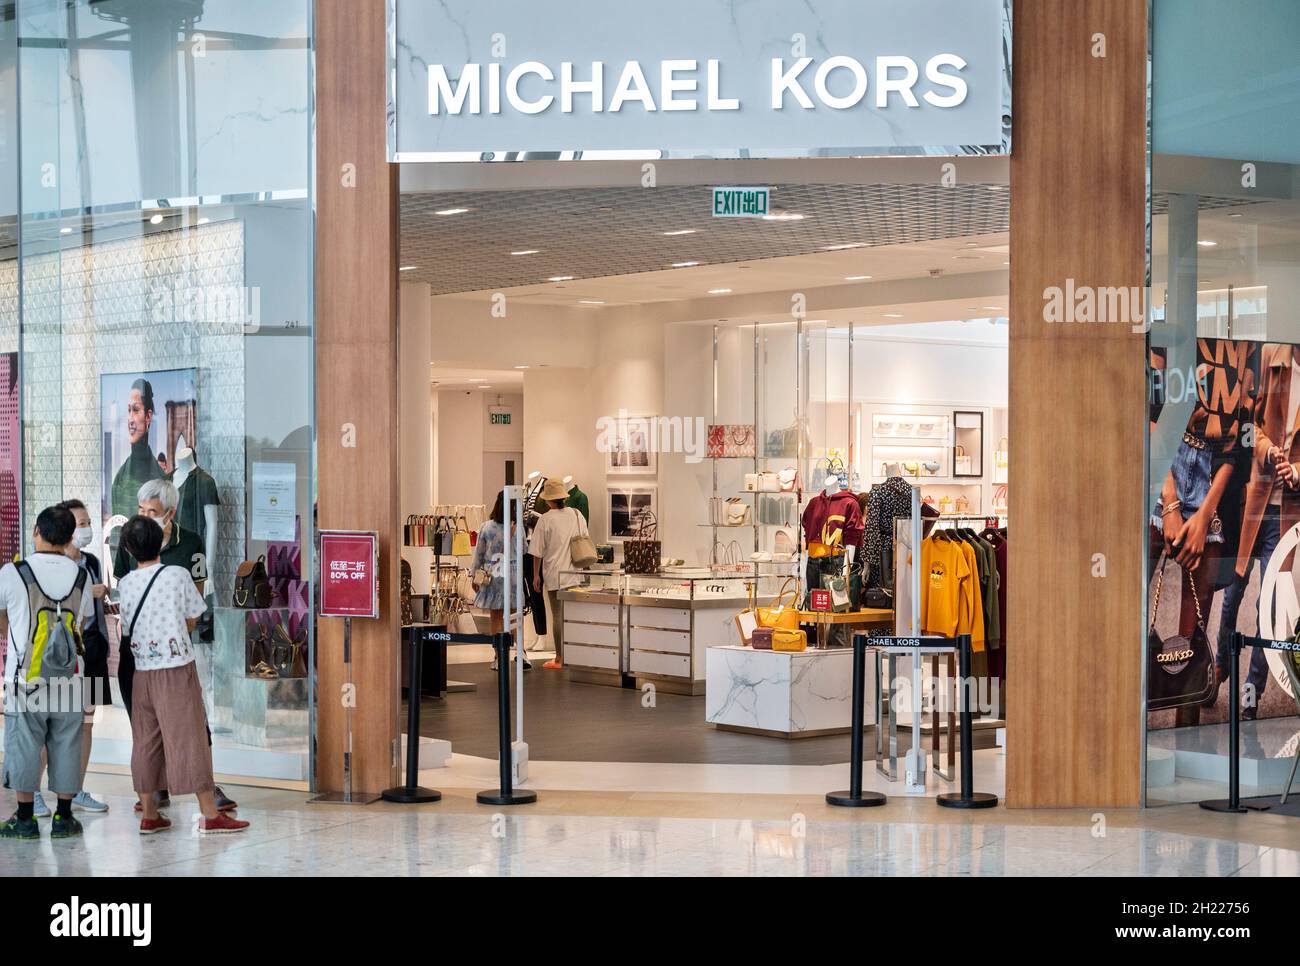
pixel 560 432
pixel 508 438
pixel 415 418
pixel 461 419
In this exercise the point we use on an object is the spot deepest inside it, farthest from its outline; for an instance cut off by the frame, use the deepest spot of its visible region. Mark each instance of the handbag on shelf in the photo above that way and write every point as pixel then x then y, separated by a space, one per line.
pixel 751 482
pixel 1180 669
pixel 747 619
pixel 728 559
pixel 783 543
pixel 739 441
pixel 785 442
pixel 775 510
pixel 769 482
pixel 252 585
pixel 788 479
pixel 444 536
pixel 717 441
pixel 782 613
pixel 792 641
pixel 839 588
pixel 717 511
pixel 761 639
pixel 643 551
pixel 738 512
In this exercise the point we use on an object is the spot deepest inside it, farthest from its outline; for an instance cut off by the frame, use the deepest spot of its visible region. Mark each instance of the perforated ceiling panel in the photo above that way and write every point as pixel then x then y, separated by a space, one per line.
pixel 594 233
pixel 601 232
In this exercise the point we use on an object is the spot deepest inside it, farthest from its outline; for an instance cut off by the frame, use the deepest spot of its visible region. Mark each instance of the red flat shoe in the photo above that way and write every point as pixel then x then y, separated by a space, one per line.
pixel 221 825
pixel 553 666
pixel 150 826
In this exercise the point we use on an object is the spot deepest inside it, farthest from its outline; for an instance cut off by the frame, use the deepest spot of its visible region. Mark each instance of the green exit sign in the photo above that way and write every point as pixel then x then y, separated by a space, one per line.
pixel 740 202
pixel 499 419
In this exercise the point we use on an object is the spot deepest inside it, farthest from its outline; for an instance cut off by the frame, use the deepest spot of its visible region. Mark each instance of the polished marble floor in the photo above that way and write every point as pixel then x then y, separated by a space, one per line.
pixel 624 833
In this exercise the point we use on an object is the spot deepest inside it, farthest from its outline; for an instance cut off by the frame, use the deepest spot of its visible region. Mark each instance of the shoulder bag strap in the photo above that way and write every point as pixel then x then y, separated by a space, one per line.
pixel 140 606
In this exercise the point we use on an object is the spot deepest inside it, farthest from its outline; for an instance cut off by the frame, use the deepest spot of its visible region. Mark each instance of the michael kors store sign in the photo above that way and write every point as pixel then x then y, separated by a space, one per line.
pixel 495 80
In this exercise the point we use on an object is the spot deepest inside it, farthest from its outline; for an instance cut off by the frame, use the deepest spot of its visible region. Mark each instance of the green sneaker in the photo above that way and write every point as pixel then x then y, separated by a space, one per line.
pixel 64 828
pixel 22 830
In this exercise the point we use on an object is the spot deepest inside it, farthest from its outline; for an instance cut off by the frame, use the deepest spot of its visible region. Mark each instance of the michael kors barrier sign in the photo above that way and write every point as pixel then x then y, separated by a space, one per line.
pixel 497 79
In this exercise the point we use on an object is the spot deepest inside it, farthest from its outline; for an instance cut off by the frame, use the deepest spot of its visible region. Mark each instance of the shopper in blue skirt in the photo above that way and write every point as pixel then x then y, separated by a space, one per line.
pixel 489 583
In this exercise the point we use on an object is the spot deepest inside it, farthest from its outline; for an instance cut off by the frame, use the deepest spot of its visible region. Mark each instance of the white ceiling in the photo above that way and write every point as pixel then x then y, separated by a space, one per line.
pixel 489 381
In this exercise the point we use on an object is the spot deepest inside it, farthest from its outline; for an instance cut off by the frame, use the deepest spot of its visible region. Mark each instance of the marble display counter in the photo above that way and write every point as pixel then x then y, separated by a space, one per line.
pixel 799 695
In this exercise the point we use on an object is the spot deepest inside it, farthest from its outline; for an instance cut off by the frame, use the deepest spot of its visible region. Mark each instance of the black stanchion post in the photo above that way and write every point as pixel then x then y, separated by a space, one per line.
pixel 506 794
pixel 969 798
pixel 412 792
pixel 855 797
pixel 1233 802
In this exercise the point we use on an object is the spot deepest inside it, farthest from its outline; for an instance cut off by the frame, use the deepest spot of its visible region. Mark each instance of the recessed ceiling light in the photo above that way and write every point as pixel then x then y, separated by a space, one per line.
pixel 452 211
pixel 527 251
pixel 561 278
pixel 590 302
pixel 685 264
pixel 204 221
pixel 840 248
pixel 719 291
pixel 65 231
pixel 965 258
pixel 476 380
pixel 408 268
pixel 521 367
pixel 784 216
pixel 996 187
pixel 992 308
pixel 1206 243
pixel 1235 214
pixel 856 278
pixel 684 231
pixel 893 315
pixel 485 387
pixel 156 220
pixel 1006 263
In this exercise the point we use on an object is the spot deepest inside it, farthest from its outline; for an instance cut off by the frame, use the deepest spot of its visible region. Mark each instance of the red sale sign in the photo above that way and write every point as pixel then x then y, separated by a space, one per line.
pixel 820 600
pixel 349 566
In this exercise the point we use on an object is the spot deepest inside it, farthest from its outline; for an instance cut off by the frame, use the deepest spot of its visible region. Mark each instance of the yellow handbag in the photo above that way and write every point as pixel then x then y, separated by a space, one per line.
pixel 460 545
pixel 789 640
pixel 782 614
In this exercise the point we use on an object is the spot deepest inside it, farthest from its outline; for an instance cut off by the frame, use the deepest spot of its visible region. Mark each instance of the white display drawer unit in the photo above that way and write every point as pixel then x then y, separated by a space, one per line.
pixel 786 695
pixel 595 648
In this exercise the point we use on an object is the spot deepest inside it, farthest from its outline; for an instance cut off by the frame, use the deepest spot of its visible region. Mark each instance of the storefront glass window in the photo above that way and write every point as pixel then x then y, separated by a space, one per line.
pixel 1224 355
pixel 164 285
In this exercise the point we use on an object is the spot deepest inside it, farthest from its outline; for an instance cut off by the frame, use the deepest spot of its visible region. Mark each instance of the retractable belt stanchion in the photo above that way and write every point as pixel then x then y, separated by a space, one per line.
pixel 855 797
pixel 968 798
pixel 412 793
pixel 1236 644
pixel 507 794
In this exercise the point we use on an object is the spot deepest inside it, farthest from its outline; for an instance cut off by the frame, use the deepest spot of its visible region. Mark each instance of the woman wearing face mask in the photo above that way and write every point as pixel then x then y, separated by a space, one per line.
pixel 95 639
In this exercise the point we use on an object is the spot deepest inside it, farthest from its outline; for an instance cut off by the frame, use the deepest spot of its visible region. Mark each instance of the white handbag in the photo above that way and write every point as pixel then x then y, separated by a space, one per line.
pixel 769 482
pixel 738 512
pixel 751 482
pixel 788 479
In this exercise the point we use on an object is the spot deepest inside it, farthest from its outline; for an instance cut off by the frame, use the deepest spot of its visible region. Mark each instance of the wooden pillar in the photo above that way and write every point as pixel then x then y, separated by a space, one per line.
pixel 1077 407
pixel 356 377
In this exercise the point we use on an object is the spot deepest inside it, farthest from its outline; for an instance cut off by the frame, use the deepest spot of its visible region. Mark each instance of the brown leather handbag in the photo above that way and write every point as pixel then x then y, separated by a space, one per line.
pixel 253 585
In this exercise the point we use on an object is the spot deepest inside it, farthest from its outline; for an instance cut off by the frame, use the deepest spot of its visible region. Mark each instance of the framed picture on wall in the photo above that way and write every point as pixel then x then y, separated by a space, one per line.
pixel 628 506
pixel 629 446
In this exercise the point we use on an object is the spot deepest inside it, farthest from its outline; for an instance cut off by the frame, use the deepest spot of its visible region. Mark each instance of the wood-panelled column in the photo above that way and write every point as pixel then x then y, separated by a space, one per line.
pixel 356 377
pixel 1077 407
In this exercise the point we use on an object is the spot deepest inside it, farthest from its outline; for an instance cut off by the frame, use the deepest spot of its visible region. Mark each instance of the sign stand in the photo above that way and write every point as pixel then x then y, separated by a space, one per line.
pixel 349 571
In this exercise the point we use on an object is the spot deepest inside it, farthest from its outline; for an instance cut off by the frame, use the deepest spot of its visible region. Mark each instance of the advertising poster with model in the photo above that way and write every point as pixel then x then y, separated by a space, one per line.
pixel 1223 528
pixel 145 418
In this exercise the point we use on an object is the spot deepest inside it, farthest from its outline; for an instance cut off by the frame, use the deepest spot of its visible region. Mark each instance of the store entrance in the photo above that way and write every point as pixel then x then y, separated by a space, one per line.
pixel 717 401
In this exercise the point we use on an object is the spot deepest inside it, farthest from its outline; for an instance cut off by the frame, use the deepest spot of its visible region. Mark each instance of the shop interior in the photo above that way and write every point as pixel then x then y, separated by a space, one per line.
pixel 696 384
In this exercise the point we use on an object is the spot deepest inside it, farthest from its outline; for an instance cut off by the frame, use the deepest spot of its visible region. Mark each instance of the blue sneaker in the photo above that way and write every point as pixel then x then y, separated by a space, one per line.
pixel 85 800
pixel 39 808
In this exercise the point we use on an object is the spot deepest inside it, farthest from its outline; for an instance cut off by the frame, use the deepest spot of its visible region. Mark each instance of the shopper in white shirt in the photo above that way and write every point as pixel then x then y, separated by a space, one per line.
pixel 550 546
pixel 43 691
pixel 160 606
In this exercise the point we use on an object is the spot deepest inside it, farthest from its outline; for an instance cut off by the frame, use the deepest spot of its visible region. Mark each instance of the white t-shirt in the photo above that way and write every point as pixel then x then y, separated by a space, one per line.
pixel 56 575
pixel 550 542
pixel 161 638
